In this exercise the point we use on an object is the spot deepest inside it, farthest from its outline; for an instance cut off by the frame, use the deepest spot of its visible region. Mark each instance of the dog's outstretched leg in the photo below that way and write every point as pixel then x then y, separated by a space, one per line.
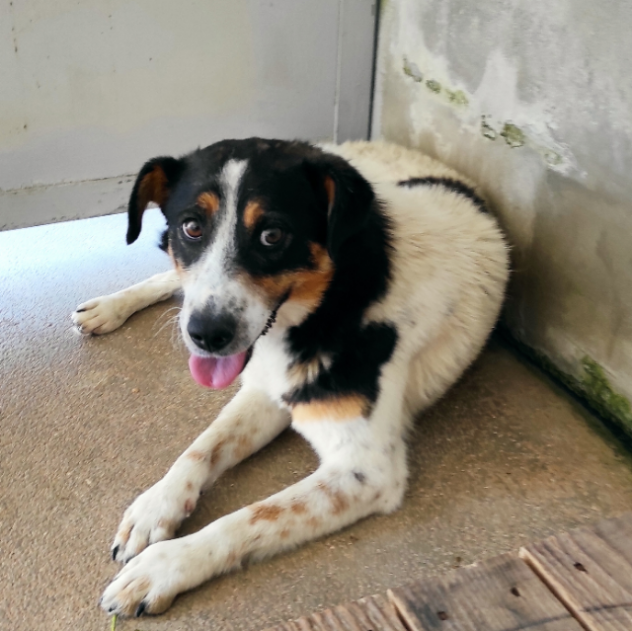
pixel 107 313
pixel 247 423
pixel 363 471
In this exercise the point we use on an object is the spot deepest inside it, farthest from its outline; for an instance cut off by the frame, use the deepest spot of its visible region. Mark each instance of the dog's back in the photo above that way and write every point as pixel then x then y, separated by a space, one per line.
pixel 450 264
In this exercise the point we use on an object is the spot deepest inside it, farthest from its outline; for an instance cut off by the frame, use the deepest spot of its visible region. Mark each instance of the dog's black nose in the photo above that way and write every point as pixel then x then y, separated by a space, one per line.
pixel 211 334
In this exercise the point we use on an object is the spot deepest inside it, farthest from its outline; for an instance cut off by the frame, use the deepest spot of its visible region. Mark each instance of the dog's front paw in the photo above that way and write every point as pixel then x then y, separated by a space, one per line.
pixel 101 315
pixel 153 516
pixel 150 582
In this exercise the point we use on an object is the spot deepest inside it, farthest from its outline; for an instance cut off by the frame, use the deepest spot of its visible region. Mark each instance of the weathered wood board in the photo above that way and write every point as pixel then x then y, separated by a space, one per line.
pixel 374 613
pixel 590 571
pixel 501 594
pixel 579 580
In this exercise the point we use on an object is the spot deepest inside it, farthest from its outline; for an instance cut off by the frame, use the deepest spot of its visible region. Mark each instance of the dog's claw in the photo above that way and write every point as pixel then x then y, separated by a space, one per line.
pixel 115 550
pixel 141 609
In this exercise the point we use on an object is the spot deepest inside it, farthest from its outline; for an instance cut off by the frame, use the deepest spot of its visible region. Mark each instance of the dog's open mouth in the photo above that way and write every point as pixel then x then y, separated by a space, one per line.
pixel 220 372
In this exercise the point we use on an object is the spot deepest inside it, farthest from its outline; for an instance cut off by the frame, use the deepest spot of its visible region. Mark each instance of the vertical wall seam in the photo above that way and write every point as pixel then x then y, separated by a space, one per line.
pixel 338 70
pixel 377 7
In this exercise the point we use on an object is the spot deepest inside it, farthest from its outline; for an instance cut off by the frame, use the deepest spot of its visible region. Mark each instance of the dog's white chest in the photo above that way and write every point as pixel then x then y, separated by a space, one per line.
pixel 268 367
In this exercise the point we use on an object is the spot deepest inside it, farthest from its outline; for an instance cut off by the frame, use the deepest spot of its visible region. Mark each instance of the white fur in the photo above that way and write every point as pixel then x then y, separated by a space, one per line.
pixel 450 267
pixel 107 313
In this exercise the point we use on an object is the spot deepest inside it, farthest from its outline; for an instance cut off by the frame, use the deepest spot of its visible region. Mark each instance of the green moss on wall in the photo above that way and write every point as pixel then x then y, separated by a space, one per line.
pixel 593 387
pixel 457 97
pixel 513 135
pixel 454 97
pixel 602 396
pixel 412 70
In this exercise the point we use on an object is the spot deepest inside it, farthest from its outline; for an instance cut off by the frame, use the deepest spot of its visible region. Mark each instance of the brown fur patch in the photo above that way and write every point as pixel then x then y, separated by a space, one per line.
pixel 243 448
pixel 217 451
pixel 298 508
pixel 313 522
pixel 330 188
pixel 125 532
pixel 338 409
pixel 231 560
pixel 266 512
pixel 132 594
pixel 339 501
pixel 305 285
pixel 209 202
pixel 178 266
pixel 196 455
pixel 160 604
pixel 189 486
pixel 284 534
pixel 252 213
pixel 153 188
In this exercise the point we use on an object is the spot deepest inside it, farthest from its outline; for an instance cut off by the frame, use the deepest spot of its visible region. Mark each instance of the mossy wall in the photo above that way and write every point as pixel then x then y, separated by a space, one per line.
pixel 532 100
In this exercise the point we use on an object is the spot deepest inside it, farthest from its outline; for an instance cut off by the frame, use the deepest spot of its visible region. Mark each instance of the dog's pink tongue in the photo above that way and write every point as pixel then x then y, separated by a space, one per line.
pixel 216 372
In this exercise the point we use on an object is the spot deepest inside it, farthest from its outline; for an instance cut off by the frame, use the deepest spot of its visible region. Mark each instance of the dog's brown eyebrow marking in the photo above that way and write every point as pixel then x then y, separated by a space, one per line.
pixel 334 409
pixel 209 202
pixel 252 213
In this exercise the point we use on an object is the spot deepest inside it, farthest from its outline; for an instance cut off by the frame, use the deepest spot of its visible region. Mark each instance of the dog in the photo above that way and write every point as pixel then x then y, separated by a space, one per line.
pixel 349 286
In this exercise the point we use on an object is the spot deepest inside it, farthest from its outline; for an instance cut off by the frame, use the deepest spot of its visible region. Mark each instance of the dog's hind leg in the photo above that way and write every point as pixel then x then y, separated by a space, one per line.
pixel 107 313
pixel 245 425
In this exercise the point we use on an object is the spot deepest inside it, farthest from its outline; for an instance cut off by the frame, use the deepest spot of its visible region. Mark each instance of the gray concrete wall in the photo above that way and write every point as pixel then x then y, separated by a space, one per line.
pixel 533 99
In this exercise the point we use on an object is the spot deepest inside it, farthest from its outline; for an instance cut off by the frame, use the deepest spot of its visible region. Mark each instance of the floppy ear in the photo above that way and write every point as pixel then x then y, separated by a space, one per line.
pixel 153 184
pixel 348 196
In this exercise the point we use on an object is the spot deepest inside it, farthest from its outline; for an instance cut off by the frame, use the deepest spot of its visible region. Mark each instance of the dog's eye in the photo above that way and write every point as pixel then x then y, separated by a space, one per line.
pixel 192 230
pixel 271 237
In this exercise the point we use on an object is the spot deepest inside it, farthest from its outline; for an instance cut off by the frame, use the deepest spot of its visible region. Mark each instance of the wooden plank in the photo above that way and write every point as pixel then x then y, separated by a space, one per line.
pixel 590 571
pixel 374 613
pixel 501 594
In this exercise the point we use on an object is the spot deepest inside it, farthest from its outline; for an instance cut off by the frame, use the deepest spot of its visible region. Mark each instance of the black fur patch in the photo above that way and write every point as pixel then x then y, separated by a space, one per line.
pixel 356 368
pixel 361 277
pixel 453 185
pixel 163 244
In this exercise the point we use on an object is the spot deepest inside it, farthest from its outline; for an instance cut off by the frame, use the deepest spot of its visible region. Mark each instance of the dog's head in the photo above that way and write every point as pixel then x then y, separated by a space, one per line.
pixel 252 224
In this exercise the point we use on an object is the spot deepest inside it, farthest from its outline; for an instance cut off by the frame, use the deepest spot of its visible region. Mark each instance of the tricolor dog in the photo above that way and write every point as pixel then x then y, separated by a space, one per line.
pixel 348 287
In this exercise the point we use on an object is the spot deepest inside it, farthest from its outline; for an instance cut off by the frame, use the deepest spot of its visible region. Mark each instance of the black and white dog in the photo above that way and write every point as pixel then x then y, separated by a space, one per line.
pixel 349 286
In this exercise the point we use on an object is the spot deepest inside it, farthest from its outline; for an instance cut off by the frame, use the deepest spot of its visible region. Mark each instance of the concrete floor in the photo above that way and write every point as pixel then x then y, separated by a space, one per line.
pixel 88 423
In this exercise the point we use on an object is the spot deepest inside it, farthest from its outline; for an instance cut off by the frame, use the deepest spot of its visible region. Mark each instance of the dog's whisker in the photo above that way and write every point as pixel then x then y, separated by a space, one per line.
pixel 172 321
pixel 165 313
